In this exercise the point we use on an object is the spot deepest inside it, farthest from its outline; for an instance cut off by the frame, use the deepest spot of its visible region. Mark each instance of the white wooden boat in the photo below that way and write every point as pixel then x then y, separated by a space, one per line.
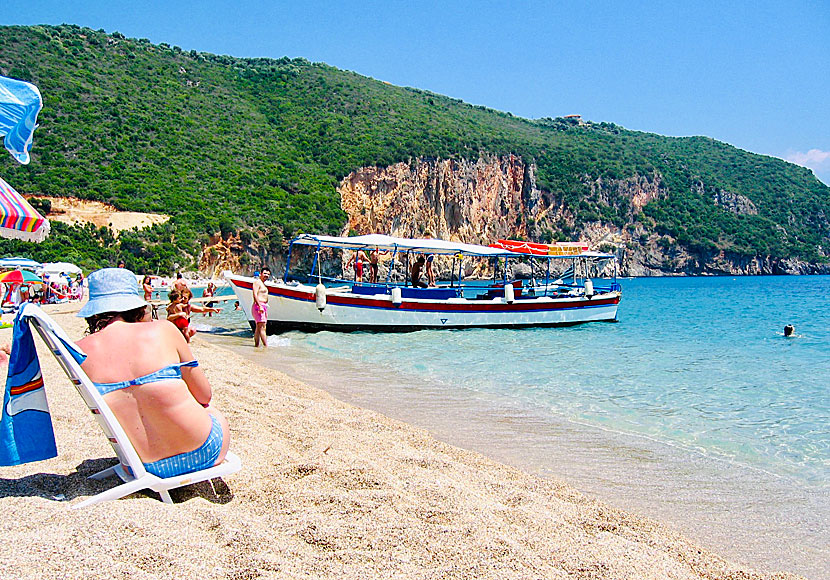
pixel 319 302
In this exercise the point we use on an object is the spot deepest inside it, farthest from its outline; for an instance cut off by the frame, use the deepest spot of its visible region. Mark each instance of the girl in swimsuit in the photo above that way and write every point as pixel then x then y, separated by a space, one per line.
pixel 178 314
pixel 148 376
pixel 209 291
pixel 147 285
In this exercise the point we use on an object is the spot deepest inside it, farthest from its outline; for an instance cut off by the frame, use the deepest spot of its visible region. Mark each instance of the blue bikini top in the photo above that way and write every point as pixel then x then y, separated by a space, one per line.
pixel 173 371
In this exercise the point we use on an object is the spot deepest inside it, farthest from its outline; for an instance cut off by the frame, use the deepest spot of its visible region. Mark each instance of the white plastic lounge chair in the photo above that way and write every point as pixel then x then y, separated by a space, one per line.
pixel 130 468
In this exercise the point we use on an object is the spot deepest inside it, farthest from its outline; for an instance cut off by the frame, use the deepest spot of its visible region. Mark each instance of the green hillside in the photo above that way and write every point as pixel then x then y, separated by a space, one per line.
pixel 257 147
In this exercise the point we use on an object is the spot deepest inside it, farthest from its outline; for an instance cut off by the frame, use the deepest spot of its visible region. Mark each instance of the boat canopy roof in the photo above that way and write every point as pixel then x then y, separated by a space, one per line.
pixel 426 246
pixel 383 242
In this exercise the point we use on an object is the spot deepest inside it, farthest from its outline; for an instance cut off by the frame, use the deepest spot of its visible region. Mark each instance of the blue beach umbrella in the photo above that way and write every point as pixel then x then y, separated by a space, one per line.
pixel 20 102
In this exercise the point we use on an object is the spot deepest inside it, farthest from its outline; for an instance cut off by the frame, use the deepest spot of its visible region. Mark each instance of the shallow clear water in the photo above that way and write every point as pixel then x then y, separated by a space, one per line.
pixel 692 408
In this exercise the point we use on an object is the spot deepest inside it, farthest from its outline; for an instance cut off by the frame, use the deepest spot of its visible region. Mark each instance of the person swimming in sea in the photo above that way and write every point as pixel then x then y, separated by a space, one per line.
pixel 789 331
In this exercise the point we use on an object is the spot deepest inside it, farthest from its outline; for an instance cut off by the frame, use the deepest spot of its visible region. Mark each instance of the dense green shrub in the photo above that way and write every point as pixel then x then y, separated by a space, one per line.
pixel 257 147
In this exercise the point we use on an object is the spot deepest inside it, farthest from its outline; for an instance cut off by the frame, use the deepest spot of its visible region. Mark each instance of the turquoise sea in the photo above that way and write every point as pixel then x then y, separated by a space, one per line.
pixel 693 408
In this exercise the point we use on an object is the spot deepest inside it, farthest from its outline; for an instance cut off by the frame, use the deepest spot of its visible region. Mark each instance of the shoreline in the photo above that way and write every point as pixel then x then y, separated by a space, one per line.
pixel 327 490
pixel 692 492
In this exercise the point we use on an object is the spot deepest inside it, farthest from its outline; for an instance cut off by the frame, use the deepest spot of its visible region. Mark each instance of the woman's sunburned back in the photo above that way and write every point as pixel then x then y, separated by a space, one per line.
pixel 161 418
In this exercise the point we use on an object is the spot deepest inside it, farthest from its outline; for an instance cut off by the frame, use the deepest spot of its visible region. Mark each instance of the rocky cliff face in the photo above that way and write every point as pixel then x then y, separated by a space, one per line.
pixel 472 201
pixel 221 254
pixel 238 255
pixel 497 197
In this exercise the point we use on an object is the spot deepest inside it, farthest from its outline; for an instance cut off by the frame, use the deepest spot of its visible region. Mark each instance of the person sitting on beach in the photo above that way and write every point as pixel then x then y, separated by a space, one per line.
pixel 415 273
pixel 74 290
pixel 146 373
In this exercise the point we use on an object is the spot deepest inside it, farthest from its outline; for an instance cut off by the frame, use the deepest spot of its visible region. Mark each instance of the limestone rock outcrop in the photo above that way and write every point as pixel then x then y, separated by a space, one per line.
pixel 460 200
pixel 221 254
pixel 497 197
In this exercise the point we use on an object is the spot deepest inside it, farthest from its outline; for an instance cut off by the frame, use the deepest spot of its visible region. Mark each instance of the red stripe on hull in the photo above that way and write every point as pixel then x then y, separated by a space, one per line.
pixel 517 306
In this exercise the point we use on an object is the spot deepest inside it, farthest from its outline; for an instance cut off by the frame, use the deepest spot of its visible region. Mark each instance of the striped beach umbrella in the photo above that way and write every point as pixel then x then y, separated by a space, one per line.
pixel 18 262
pixel 18 219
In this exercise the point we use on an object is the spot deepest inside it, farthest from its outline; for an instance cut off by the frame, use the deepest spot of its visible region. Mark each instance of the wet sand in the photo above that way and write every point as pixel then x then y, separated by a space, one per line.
pixel 328 490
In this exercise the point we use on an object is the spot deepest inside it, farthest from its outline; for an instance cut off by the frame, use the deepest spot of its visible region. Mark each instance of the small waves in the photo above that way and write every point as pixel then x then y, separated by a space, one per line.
pixel 695 393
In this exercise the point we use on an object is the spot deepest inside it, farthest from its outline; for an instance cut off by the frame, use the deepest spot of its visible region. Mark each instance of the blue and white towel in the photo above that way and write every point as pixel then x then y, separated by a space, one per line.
pixel 26 432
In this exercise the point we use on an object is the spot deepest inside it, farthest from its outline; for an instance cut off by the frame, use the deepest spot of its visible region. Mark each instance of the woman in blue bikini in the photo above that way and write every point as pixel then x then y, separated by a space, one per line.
pixel 146 372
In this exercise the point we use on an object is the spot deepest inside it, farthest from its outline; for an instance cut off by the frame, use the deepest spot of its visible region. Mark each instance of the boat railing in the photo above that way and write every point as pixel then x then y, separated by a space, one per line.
pixel 432 293
pixel 554 288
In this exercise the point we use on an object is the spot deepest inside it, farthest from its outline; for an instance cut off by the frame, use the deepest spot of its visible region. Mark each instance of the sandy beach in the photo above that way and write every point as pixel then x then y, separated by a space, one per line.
pixel 327 490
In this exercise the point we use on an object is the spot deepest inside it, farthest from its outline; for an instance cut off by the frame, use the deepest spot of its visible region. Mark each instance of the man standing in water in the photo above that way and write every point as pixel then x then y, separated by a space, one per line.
pixel 180 284
pixel 259 309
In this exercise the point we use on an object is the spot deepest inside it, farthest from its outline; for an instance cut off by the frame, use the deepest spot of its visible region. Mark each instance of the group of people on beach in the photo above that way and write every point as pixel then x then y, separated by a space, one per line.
pixel 54 288
pixel 180 310
pixel 147 374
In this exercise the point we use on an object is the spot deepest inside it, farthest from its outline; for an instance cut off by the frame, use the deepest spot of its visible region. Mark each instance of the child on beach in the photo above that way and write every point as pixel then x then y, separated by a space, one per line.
pixel 177 315
pixel 180 310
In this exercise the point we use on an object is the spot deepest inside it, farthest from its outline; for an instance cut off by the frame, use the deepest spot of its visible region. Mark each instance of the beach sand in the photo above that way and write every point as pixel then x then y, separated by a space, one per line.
pixel 327 490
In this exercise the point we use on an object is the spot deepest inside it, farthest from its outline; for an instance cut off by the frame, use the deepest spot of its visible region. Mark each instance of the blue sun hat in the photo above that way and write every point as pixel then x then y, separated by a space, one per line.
pixel 112 290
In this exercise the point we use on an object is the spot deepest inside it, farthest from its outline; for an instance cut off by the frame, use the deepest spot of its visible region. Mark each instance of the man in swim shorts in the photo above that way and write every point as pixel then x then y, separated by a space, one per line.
pixel 373 265
pixel 259 309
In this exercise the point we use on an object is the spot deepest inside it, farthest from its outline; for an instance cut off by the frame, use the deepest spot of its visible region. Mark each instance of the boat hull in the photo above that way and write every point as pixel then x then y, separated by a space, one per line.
pixel 295 308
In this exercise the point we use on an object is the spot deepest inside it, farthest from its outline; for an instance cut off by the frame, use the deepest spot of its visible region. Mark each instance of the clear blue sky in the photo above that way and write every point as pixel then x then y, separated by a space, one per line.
pixel 755 74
